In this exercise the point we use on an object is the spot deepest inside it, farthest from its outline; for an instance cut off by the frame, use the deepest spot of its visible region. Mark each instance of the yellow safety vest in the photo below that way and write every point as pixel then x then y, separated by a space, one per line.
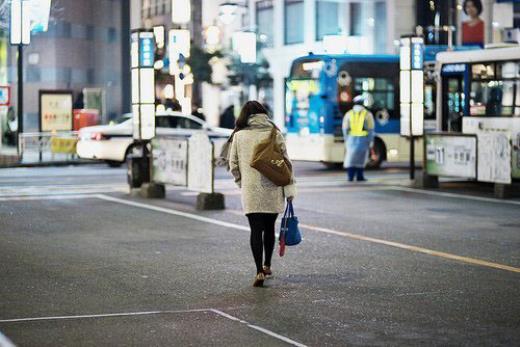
pixel 357 122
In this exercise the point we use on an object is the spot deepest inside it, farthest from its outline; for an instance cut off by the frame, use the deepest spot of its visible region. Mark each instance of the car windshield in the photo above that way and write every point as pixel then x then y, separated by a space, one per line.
pixel 121 119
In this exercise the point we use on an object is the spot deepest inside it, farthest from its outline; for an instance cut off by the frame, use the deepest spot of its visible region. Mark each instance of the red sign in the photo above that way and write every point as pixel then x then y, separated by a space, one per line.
pixel 5 95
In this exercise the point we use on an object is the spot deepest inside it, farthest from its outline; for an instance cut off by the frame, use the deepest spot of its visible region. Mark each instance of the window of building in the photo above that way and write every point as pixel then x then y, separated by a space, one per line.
pixel 112 35
pixel 264 21
pixel 380 30
pixel 330 17
pixel 294 15
pixel 356 19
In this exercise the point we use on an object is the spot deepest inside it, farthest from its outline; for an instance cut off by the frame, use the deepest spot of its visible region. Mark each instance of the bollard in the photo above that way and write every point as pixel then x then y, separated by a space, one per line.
pixel 210 201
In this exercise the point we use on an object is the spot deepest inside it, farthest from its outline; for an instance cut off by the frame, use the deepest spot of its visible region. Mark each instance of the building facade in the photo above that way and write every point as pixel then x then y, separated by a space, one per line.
pixel 86 46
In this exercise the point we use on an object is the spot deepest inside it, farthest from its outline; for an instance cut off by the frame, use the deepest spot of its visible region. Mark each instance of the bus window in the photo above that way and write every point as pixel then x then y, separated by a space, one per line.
pixel 483 71
pixel 492 98
pixel 453 103
pixel 307 69
pixel 380 90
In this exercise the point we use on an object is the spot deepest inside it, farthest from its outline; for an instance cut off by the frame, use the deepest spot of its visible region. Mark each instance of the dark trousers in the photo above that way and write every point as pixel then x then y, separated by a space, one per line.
pixel 358 172
pixel 262 237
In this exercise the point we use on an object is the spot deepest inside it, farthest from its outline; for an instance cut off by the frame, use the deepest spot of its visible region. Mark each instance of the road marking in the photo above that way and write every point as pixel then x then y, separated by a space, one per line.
pixel 48 197
pixel 258 328
pixel 104 315
pixel 453 195
pixel 172 212
pixel 416 249
pixel 5 343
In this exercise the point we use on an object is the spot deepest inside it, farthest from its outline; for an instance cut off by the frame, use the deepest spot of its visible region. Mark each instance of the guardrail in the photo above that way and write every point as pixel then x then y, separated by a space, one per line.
pixel 40 147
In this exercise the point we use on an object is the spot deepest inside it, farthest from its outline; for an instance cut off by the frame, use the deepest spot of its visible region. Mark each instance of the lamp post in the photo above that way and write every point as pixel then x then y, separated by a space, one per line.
pixel 20 35
pixel 412 92
pixel 143 103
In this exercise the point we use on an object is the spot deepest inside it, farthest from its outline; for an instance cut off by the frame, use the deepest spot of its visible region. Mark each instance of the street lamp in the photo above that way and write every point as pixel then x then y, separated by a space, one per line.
pixel 228 11
pixel 20 35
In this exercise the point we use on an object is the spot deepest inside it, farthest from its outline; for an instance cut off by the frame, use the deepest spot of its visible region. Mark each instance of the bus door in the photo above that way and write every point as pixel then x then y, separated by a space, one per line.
pixel 453 96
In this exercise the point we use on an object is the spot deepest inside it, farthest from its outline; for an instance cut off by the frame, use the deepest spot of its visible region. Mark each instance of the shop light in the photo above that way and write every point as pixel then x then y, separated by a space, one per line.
pixel 228 12
pixel 244 44
pixel 181 11
pixel 179 43
pixel 158 32
pixel 212 35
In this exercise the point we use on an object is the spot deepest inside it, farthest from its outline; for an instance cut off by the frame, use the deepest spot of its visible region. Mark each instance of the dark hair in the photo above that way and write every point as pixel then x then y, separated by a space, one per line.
pixel 476 3
pixel 250 108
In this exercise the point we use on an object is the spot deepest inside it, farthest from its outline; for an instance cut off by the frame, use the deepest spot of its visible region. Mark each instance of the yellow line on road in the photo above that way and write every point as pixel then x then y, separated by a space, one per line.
pixel 414 248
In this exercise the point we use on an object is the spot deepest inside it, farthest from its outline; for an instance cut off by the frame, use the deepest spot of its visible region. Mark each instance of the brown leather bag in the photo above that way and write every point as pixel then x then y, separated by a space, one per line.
pixel 268 159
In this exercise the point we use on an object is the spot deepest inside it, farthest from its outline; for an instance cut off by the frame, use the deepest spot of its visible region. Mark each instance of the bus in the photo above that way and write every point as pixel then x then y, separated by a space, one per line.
pixel 479 92
pixel 320 90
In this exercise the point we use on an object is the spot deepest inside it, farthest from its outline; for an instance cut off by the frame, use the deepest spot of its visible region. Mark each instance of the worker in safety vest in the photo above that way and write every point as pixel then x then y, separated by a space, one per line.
pixel 358 132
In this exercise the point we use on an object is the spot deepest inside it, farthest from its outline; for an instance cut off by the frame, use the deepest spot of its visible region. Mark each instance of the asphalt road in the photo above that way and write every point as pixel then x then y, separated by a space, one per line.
pixel 84 264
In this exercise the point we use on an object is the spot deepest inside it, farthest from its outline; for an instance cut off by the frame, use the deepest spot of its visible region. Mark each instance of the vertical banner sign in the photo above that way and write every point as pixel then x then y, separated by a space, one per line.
pixel 412 86
pixel 55 110
pixel 143 84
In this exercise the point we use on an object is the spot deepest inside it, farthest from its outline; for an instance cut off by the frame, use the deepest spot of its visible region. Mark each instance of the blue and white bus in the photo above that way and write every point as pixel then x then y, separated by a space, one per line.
pixel 320 90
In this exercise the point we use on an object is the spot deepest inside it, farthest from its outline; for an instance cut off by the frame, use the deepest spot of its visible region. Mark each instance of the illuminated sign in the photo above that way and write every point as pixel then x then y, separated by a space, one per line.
pixel 146 52
pixel 451 68
pixel 244 43
pixel 412 86
pixel 5 95
pixel 417 55
pixel 55 110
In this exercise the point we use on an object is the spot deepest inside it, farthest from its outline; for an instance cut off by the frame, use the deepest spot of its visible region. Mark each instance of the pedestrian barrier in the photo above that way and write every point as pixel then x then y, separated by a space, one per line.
pixel 40 147
pixel 186 162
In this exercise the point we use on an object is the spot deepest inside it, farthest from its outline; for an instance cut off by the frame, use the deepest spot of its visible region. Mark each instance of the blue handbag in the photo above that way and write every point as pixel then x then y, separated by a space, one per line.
pixel 290 232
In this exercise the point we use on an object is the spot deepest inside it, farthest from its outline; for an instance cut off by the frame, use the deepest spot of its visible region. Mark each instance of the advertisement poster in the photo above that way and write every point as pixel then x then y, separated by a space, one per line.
pixel 494 158
pixel 454 156
pixel 55 111
pixel 170 161
pixel 200 169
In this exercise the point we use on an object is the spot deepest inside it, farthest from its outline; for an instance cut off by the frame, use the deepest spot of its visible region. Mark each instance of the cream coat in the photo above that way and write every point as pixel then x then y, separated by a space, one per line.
pixel 259 195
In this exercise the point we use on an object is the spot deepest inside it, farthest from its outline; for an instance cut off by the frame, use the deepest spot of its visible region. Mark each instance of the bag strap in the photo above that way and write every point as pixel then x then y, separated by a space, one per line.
pixel 285 216
pixel 291 209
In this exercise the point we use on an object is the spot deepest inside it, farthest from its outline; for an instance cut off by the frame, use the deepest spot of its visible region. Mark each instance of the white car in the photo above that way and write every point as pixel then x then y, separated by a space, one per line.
pixel 113 143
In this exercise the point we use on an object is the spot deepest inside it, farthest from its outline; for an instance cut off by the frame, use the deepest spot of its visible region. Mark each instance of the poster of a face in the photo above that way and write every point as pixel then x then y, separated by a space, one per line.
pixel 473 27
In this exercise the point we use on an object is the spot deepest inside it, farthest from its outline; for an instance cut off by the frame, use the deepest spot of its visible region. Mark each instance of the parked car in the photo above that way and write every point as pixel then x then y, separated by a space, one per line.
pixel 113 142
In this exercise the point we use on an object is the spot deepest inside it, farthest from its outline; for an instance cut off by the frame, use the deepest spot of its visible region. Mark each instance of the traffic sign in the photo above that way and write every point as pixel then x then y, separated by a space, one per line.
pixel 5 95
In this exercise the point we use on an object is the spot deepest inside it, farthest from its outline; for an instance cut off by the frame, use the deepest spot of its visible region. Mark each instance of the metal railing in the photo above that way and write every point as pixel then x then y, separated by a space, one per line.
pixel 41 147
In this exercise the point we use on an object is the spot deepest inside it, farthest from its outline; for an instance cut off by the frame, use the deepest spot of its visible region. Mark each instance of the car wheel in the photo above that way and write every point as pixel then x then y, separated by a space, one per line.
pixel 377 154
pixel 113 163
pixel 332 166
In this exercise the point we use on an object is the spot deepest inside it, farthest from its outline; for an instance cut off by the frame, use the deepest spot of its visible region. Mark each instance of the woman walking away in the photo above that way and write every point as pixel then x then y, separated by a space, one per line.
pixel 262 200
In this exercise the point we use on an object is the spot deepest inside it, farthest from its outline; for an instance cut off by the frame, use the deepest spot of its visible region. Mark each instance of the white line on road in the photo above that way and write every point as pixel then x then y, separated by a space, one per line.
pixel 416 249
pixel 148 313
pixel 48 197
pixel 256 327
pixel 173 212
pixel 104 315
pixel 453 195
pixel 5 342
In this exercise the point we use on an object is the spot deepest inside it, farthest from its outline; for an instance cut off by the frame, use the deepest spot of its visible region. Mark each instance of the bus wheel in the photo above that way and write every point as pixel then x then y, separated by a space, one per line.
pixel 377 154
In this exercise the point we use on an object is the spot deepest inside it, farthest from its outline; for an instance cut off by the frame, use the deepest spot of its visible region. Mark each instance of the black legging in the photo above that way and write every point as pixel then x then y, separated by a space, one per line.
pixel 262 222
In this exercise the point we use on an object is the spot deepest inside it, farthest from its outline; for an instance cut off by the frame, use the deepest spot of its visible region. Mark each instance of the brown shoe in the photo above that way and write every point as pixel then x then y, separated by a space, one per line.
pixel 259 280
pixel 267 270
